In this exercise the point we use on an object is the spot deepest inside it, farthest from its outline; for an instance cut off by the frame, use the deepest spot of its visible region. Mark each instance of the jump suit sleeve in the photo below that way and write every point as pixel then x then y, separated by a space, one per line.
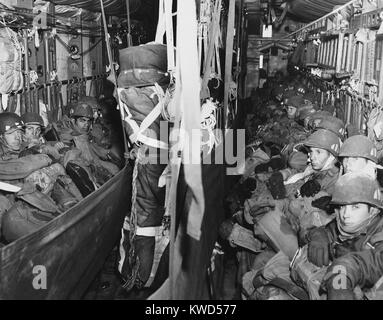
pixel 20 168
pixel 363 268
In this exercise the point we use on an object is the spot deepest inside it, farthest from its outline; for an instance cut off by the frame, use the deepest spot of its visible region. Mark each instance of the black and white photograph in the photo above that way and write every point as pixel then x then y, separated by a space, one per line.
pixel 187 157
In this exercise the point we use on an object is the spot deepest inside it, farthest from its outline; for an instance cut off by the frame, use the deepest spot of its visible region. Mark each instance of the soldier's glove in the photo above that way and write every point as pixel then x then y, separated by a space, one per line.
pixel 318 250
pixel 322 203
pixel 277 163
pixel 276 186
pixel 310 188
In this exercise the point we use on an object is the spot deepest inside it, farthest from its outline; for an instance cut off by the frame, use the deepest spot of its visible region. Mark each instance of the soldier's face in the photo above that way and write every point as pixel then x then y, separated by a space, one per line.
pixel 32 132
pixel 13 139
pixel 318 158
pixel 354 164
pixel 83 124
pixel 352 216
pixel 291 112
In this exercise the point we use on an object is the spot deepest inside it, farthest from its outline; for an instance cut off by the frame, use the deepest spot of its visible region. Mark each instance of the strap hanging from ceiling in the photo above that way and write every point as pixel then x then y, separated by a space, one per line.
pixel 111 63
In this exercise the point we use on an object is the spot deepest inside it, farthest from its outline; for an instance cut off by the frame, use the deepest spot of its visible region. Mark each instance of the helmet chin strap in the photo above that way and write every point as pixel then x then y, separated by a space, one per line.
pixel 329 163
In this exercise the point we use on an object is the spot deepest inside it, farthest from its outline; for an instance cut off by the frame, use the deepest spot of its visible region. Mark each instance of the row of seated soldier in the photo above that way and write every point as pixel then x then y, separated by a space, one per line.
pixel 47 168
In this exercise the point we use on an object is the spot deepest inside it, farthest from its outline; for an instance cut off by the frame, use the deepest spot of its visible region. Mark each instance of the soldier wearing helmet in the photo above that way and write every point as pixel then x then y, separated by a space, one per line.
pixel 358 154
pixel 353 242
pixel 317 181
pixel 33 127
pixel 292 105
pixel 34 141
pixel 76 132
pixel 10 134
pixel 13 166
pixel 324 148
pixel 81 117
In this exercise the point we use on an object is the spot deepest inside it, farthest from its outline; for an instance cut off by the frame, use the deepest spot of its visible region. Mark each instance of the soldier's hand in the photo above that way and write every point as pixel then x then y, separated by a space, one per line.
pixel 318 250
pixel 44 158
pixel 59 146
pixel 322 203
pixel 310 188
pixel 51 151
pixel 276 186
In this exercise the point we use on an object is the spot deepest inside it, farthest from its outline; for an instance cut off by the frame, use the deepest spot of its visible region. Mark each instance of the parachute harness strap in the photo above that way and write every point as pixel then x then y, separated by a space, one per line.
pixel 130 281
pixel 208 122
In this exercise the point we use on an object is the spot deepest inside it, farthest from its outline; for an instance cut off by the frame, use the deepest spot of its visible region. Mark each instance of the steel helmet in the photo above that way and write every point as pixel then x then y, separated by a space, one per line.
pixel 81 109
pixel 310 97
pixel 332 124
pixel 8 121
pixel 357 188
pixel 305 111
pixel 301 89
pixel 288 94
pixel 32 118
pixel 359 146
pixel 92 101
pixel 324 139
pixel 295 101
pixel 278 91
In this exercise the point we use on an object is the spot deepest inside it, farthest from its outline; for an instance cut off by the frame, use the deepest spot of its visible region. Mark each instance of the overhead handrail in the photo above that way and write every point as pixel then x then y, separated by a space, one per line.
pixel 321 19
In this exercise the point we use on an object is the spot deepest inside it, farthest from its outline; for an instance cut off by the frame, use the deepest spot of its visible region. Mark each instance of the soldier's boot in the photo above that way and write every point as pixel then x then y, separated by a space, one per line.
pixel 81 178
pixel 62 197
pixel 70 186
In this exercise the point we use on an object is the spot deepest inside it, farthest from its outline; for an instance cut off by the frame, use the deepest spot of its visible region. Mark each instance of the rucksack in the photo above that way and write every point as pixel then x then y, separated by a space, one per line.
pixel 143 65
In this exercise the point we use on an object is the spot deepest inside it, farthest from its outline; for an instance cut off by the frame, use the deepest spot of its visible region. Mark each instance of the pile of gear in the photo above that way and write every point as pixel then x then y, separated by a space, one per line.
pixel 308 203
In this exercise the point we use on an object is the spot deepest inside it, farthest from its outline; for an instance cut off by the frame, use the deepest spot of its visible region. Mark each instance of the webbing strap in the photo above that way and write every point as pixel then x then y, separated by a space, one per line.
pixel 137 134
pixel 169 34
pixel 211 50
pixel 229 58
pixel 161 242
pixel 165 26
pixel 161 23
